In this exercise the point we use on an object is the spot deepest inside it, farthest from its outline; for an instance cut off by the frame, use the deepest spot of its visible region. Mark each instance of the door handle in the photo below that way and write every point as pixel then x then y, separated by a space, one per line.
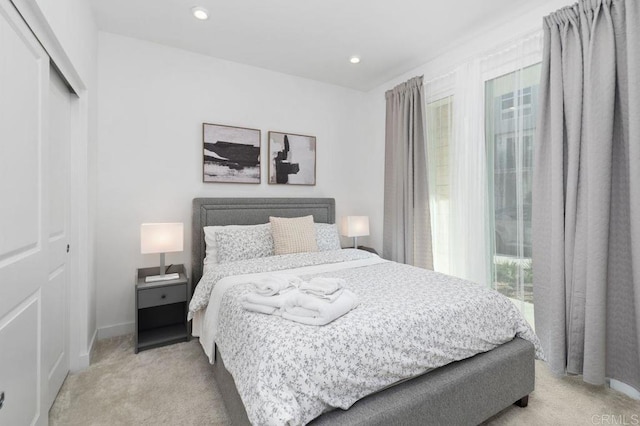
pixel 1 400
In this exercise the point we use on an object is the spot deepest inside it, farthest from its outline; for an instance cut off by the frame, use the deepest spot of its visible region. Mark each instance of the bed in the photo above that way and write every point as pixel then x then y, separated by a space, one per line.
pixel 467 391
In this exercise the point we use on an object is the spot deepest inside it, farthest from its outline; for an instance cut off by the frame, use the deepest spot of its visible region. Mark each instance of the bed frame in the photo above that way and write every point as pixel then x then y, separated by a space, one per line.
pixel 466 392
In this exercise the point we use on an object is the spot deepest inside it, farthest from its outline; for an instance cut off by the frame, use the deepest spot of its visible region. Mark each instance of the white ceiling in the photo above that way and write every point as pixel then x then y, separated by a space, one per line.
pixel 311 38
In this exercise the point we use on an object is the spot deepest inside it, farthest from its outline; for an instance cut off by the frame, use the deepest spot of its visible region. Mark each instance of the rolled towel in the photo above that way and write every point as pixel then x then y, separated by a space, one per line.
pixel 276 283
pixel 322 286
pixel 317 311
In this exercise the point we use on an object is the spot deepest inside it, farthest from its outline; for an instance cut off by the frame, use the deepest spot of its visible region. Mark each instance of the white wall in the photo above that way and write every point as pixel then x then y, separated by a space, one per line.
pixel 375 105
pixel 74 26
pixel 153 101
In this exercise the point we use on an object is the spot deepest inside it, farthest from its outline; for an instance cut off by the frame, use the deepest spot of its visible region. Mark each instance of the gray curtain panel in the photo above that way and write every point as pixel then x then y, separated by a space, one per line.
pixel 407 220
pixel 586 197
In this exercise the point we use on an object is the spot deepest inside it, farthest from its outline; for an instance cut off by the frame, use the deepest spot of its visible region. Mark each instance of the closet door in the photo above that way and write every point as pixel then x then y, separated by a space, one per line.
pixel 55 292
pixel 24 216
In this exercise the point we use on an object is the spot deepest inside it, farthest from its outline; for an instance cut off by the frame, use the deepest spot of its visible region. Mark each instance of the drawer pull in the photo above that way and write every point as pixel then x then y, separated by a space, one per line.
pixel 164 296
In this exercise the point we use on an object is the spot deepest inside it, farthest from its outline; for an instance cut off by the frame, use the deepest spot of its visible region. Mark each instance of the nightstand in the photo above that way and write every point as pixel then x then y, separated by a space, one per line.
pixel 161 309
pixel 369 249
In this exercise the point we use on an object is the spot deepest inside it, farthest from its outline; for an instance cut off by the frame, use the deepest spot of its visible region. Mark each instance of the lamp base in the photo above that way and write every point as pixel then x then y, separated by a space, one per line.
pixel 165 277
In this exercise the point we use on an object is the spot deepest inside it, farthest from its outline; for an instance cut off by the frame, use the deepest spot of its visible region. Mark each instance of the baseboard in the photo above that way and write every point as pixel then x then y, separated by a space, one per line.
pixel 116 330
pixel 630 391
pixel 84 359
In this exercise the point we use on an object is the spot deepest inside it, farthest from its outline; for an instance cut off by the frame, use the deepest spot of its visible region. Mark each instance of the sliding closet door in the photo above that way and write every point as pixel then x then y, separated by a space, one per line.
pixel 24 215
pixel 55 292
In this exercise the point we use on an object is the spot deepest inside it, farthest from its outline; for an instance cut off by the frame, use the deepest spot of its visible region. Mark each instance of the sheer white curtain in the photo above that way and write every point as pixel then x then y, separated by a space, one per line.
pixel 468 236
pixel 462 248
pixel 440 102
pixel 469 242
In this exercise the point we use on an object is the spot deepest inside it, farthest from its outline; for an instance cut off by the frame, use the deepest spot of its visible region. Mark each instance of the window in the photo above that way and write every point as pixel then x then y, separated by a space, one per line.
pixel 510 125
pixel 439 116
pixel 511 103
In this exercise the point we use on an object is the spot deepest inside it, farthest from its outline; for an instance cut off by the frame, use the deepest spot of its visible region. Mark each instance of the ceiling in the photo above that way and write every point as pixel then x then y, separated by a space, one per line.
pixel 311 38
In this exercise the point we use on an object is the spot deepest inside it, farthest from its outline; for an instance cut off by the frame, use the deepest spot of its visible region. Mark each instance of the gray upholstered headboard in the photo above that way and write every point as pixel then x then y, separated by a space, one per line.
pixel 249 211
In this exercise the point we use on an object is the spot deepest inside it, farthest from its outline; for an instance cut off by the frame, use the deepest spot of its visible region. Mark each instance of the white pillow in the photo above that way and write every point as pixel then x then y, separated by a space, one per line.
pixel 293 235
pixel 244 243
pixel 211 251
pixel 327 237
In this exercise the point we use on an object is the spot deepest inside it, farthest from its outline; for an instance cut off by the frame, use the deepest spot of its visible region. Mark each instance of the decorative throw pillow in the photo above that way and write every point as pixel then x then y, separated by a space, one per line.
pixel 327 237
pixel 243 243
pixel 293 235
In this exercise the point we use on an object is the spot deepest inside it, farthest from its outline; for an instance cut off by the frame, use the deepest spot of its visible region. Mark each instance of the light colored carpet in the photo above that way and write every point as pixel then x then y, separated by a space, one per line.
pixel 171 385
pixel 174 385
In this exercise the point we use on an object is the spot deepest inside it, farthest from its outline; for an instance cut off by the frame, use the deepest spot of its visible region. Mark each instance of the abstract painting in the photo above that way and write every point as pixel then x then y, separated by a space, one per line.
pixel 231 154
pixel 292 159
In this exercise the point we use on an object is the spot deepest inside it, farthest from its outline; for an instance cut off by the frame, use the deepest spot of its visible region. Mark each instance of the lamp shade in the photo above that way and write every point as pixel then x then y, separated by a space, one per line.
pixel 355 226
pixel 161 237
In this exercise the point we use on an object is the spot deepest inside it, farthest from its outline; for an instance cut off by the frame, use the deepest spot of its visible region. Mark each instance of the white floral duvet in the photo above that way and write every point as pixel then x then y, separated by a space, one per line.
pixel 409 321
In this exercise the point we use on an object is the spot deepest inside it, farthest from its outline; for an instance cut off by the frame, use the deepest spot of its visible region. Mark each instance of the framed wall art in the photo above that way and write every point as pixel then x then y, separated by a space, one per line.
pixel 231 154
pixel 292 159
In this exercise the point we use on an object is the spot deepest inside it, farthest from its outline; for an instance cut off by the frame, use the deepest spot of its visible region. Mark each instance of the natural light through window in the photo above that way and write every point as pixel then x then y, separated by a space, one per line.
pixel 510 123
pixel 439 115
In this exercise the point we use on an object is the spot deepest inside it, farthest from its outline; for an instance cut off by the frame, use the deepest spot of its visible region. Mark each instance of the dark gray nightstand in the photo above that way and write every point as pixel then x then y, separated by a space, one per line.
pixel 369 249
pixel 161 309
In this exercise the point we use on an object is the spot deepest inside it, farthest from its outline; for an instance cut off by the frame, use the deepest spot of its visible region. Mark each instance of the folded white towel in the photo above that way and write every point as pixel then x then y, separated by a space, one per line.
pixel 254 307
pixel 317 311
pixel 302 312
pixel 270 293
pixel 277 301
pixel 276 283
pixel 322 286
pixel 326 297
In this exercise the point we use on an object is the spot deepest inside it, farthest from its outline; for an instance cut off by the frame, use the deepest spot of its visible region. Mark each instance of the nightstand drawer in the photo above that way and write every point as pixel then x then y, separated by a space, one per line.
pixel 162 296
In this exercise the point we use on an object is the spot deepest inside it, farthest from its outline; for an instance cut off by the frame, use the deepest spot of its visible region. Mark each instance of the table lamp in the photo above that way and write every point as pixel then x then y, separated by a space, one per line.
pixel 161 238
pixel 355 226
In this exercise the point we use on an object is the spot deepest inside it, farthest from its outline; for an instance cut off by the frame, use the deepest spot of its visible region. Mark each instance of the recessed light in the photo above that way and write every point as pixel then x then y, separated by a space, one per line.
pixel 354 59
pixel 200 13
